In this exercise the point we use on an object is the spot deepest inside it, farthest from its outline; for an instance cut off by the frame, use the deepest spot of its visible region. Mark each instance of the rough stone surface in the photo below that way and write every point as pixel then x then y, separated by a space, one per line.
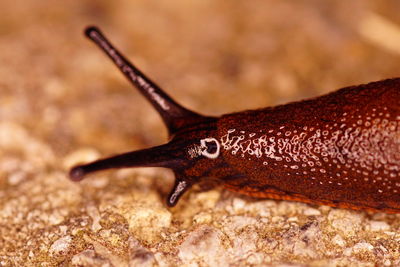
pixel 63 102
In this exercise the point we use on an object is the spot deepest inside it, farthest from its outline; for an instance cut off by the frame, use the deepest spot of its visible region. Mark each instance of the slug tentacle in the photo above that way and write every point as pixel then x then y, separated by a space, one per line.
pixel 182 184
pixel 159 156
pixel 174 115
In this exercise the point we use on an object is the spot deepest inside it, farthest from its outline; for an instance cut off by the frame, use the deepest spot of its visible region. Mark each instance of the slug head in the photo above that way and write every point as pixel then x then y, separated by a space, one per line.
pixel 192 152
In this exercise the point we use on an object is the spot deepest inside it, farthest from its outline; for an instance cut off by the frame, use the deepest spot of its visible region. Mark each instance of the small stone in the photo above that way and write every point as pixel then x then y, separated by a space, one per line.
pixel 15 137
pixel 55 218
pixel 146 222
pixel 61 246
pixel 244 243
pixel 387 263
pixel 238 204
pixel 277 219
pixel 63 229
pixel 203 245
pixel 255 258
pixel 208 199
pixel 347 252
pixel 94 213
pixel 362 246
pixel 312 212
pixel 258 208
pixel 378 226
pixel 348 222
pixel 99 182
pixel 139 255
pixel 89 257
pixel 339 241
pixel 16 178
pixel 383 249
pixel 163 259
pixel 234 224
pixel 202 218
pixel 307 240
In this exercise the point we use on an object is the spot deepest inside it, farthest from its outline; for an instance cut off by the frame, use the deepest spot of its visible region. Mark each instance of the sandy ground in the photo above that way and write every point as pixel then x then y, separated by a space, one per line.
pixel 62 102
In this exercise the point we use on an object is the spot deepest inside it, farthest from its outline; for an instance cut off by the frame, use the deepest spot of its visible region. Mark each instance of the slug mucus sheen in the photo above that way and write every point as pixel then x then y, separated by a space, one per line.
pixel 341 149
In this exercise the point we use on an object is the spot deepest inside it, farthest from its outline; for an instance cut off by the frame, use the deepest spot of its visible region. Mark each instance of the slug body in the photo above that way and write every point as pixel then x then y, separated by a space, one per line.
pixel 340 149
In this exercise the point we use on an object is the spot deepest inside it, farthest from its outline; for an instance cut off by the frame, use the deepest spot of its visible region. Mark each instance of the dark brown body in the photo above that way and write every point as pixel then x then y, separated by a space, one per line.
pixel 341 149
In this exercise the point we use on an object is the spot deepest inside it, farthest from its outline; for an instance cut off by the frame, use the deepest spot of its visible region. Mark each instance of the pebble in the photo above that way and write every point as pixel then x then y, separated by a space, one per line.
pixel 378 226
pixel 139 255
pixel 16 177
pixel 312 212
pixel 339 241
pixel 61 246
pixel 348 222
pixel 146 222
pixel 89 257
pixel 203 245
pixel 362 246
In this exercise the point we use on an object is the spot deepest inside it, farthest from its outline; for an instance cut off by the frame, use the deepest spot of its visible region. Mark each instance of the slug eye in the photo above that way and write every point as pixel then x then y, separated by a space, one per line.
pixel 210 147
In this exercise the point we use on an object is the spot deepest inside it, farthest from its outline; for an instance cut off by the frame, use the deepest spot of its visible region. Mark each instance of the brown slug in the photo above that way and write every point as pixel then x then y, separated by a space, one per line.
pixel 341 149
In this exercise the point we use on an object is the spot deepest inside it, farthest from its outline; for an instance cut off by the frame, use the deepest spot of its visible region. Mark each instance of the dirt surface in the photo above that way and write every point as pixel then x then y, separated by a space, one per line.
pixel 63 102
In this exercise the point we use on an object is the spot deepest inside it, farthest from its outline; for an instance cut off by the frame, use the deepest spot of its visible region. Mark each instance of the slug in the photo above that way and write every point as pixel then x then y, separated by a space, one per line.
pixel 341 149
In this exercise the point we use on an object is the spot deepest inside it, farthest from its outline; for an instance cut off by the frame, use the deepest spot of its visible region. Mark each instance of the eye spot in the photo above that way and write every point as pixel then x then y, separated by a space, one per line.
pixel 210 147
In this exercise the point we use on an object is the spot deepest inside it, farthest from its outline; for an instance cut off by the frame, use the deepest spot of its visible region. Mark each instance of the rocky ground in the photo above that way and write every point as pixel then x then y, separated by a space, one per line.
pixel 62 102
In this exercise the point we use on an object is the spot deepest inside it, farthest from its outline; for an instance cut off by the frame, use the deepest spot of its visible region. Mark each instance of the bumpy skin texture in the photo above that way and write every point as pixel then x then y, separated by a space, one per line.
pixel 341 149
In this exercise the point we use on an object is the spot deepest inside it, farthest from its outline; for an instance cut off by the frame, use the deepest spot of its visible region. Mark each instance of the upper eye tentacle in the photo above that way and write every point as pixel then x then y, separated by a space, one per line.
pixel 173 114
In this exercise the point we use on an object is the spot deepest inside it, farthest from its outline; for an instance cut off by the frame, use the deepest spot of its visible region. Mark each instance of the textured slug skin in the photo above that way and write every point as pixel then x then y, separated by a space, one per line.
pixel 341 149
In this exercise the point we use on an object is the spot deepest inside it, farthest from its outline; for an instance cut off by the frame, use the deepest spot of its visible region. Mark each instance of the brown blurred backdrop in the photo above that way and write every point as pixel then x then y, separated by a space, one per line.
pixel 62 101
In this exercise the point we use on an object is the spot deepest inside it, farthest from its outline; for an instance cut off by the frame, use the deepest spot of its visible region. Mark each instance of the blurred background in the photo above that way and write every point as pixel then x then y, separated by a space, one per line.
pixel 212 56
pixel 62 101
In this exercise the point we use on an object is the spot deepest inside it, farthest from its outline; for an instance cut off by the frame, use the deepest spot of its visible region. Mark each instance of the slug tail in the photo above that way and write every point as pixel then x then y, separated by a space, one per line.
pixel 174 115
